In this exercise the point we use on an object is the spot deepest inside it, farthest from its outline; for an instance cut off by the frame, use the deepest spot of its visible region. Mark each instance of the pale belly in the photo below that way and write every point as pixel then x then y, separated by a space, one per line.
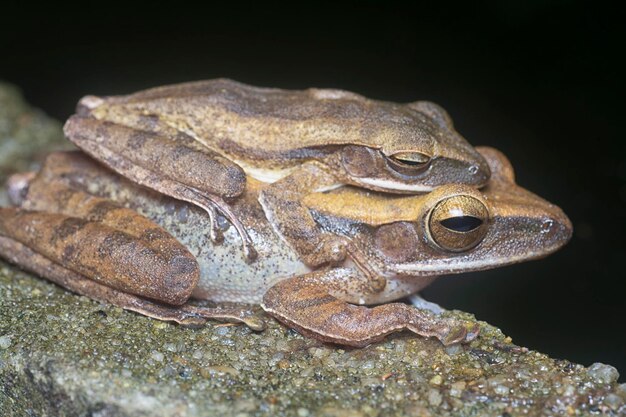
pixel 225 276
pixel 224 273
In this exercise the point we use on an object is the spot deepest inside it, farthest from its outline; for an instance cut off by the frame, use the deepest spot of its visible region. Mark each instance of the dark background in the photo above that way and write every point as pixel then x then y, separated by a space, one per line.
pixel 540 80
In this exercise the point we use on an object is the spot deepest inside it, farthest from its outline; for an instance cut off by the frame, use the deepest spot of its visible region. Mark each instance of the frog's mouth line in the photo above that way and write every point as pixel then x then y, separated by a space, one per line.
pixel 460 266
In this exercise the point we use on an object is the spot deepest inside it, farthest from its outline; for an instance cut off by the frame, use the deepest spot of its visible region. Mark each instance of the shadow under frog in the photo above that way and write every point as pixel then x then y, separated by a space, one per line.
pixel 83 227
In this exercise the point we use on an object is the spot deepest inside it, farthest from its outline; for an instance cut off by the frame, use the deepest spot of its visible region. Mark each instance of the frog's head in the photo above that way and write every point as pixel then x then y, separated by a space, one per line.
pixel 415 153
pixel 460 229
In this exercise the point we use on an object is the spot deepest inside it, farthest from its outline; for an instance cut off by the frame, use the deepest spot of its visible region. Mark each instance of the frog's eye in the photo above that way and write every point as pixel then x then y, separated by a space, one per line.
pixel 409 163
pixel 458 223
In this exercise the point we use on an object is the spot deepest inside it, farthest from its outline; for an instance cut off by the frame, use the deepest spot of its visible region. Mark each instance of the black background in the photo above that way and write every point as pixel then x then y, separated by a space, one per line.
pixel 540 80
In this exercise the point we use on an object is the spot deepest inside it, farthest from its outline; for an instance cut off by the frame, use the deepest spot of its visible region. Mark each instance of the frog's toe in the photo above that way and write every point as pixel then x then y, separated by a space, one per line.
pixel 255 323
pixel 460 333
pixel 216 234
pixel 214 203
pixel 192 321
pixel 225 314
pixel 456 334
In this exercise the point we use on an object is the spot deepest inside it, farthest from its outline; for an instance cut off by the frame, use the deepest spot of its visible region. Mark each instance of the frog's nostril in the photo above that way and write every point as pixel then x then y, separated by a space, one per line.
pixel 556 229
pixel 479 173
pixel 547 225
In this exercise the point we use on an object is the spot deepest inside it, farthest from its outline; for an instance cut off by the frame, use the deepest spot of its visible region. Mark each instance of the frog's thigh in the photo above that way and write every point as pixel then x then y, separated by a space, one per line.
pixel 283 206
pixel 110 256
pixel 19 254
pixel 139 154
pixel 306 303
pixel 178 167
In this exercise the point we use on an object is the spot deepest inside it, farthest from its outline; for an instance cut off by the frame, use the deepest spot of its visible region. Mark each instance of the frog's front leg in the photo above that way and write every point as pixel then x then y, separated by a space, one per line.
pixel 313 305
pixel 283 206
pixel 176 166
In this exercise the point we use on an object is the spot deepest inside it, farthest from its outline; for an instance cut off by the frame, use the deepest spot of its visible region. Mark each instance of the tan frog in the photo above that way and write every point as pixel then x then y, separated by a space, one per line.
pixel 194 141
pixel 87 236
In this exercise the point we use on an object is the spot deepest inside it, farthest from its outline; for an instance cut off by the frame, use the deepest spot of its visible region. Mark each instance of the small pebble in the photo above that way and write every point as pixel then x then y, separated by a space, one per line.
pixel 454 349
pixel 277 357
pixel 613 401
pixel 5 341
pixel 171 347
pixel 222 331
pixel 501 390
pixel 303 412
pixel 456 389
pixel 603 374
pixel 157 356
pixel 160 324
pixel 434 397
pixel 436 380
pixel 371 382
pixel 569 390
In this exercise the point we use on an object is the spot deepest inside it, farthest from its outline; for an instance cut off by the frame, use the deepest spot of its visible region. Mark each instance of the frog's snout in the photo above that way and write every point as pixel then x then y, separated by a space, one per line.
pixel 556 227
pixel 479 172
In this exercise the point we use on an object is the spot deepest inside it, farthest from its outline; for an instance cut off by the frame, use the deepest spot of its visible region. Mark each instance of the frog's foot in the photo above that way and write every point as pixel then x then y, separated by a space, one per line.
pixel 210 203
pixel 230 315
pixel 186 315
pixel 224 208
pixel 308 307
pixel 176 166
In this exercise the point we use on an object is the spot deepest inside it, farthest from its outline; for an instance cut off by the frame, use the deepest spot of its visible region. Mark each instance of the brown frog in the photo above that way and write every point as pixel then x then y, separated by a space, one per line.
pixel 83 227
pixel 197 141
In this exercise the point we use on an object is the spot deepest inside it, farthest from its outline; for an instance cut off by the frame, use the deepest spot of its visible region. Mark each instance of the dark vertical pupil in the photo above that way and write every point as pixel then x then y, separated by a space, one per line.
pixel 461 223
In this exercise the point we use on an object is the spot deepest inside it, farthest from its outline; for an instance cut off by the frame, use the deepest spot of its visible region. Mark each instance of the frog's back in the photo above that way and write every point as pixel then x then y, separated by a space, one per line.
pixel 263 123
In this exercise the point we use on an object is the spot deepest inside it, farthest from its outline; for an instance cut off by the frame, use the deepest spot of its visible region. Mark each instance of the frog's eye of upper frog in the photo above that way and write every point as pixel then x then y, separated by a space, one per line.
pixel 409 163
pixel 363 162
pixel 458 223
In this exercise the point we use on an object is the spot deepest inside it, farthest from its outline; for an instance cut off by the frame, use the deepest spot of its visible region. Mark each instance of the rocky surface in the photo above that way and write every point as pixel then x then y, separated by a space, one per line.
pixel 65 355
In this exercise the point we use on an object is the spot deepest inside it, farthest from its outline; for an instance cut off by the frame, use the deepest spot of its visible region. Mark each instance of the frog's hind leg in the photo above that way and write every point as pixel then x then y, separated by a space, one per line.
pixel 186 315
pixel 110 253
pixel 176 166
pixel 311 305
